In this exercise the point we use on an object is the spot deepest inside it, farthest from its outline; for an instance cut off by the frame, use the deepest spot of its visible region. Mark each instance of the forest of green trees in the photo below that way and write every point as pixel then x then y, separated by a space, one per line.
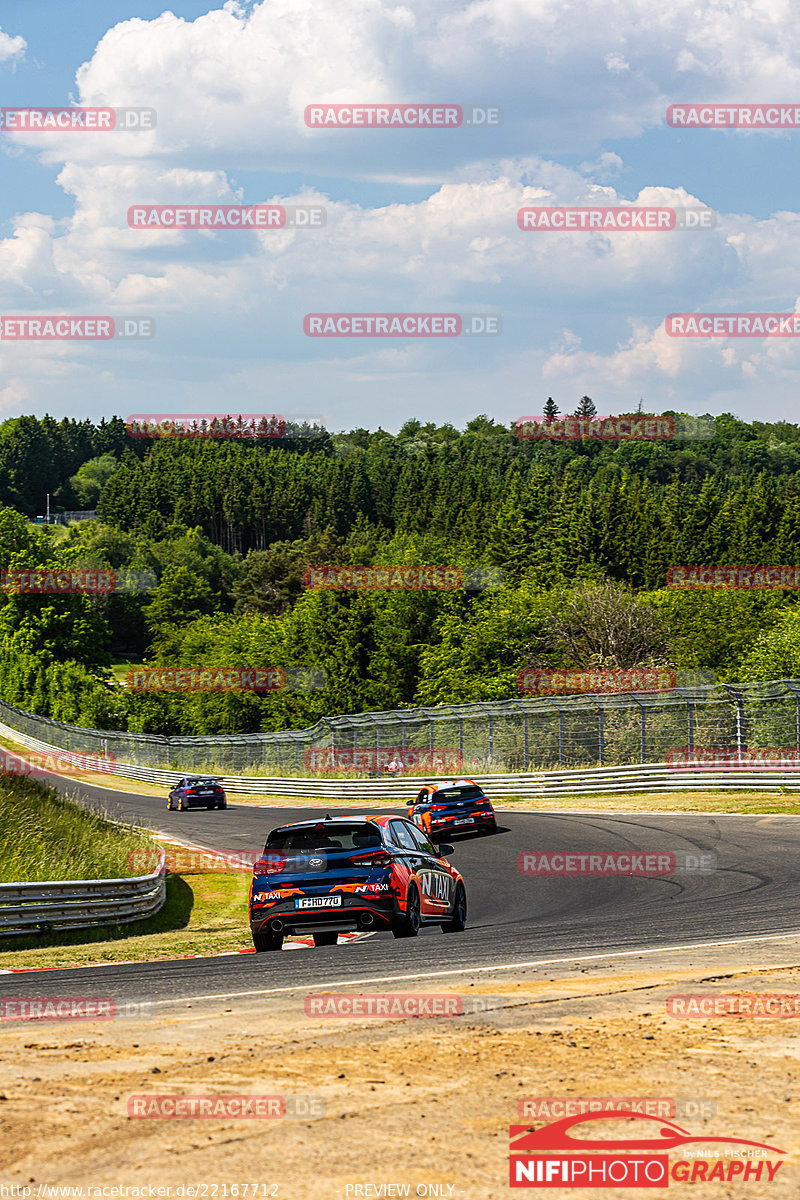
pixel 582 533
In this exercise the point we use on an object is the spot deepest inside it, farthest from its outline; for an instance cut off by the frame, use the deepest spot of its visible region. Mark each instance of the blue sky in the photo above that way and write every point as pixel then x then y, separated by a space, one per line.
pixel 417 221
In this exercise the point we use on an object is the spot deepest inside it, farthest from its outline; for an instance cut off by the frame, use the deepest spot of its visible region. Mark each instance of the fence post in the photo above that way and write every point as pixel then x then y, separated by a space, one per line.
pixel 796 693
pixel 489 731
pixel 601 739
pixel 560 711
pixel 690 704
pixel 643 716
pixel 522 709
pixel 740 725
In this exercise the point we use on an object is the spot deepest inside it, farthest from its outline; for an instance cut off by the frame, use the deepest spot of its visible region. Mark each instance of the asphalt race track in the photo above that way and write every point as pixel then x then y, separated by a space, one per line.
pixel 513 918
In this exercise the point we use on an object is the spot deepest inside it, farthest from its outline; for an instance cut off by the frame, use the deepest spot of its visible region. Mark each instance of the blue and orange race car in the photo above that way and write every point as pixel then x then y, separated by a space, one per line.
pixel 340 874
pixel 442 809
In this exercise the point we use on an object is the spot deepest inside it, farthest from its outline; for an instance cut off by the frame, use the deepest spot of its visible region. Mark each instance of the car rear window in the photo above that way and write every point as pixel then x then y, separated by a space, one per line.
pixel 355 836
pixel 458 793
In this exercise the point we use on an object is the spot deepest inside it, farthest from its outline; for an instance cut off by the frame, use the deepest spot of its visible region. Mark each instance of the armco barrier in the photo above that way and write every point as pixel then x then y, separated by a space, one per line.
pixel 647 777
pixel 78 903
pixel 531 733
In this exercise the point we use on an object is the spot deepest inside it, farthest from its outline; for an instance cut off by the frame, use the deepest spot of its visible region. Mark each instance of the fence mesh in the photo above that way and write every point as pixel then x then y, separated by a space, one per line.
pixel 509 735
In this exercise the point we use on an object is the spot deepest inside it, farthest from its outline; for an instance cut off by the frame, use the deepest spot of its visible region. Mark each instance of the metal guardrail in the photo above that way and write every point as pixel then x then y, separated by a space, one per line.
pixel 590 781
pixel 555 732
pixel 651 778
pixel 78 903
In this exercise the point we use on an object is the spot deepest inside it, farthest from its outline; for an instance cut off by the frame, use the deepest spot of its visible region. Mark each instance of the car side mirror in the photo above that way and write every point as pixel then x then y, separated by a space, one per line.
pixel 445 851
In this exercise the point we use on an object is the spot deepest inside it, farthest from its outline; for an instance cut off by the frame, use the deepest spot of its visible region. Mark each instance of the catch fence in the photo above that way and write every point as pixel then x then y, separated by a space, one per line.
pixel 525 734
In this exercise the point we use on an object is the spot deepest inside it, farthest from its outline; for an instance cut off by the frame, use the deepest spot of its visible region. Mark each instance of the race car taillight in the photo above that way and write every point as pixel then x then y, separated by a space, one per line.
pixel 378 858
pixel 190 792
pixel 270 864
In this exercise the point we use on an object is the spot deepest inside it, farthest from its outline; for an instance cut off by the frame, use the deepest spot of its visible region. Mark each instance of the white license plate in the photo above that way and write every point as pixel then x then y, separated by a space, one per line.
pixel 205 793
pixel 319 902
pixel 465 821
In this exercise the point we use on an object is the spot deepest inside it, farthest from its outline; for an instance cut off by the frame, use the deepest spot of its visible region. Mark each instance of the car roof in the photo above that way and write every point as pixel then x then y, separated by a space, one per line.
pixel 312 822
pixel 450 783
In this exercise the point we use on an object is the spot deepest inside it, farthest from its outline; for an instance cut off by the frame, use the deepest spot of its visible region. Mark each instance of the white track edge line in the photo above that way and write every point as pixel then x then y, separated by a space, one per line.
pixel 516 966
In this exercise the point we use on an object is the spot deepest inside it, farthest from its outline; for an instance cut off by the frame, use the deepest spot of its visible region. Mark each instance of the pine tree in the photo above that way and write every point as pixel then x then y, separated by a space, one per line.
pixel 586 408
pixel 551 409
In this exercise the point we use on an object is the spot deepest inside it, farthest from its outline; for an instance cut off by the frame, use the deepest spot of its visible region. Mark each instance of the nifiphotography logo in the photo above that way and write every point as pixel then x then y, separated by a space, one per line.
pixel 552 1157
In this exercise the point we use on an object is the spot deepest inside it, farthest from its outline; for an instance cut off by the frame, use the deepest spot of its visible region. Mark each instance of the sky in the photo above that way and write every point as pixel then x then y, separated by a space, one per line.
pixel 416 220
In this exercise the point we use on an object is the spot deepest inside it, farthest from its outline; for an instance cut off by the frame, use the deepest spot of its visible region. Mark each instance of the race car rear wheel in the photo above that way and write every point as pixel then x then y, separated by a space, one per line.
pixel 408 923
pixel 265 939
pixel 490 828
pixel 329 938
pixel 458 920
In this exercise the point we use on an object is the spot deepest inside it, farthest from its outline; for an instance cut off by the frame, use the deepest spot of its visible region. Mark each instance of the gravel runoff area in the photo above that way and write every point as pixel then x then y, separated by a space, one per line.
pixel 376 1105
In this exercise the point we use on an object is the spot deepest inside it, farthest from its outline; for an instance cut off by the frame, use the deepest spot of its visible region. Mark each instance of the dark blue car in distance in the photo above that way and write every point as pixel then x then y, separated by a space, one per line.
pixel 197 791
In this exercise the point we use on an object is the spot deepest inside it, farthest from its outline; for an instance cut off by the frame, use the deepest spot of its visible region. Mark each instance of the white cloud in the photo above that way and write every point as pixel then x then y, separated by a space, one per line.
pixel 229 306
pixel 11 48
pixel 582 312
pixel 231 86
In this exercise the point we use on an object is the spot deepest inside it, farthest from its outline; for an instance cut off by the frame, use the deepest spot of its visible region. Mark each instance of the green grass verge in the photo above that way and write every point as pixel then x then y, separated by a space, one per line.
pixel 205 913
pixel 120 669
pixel 44 835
